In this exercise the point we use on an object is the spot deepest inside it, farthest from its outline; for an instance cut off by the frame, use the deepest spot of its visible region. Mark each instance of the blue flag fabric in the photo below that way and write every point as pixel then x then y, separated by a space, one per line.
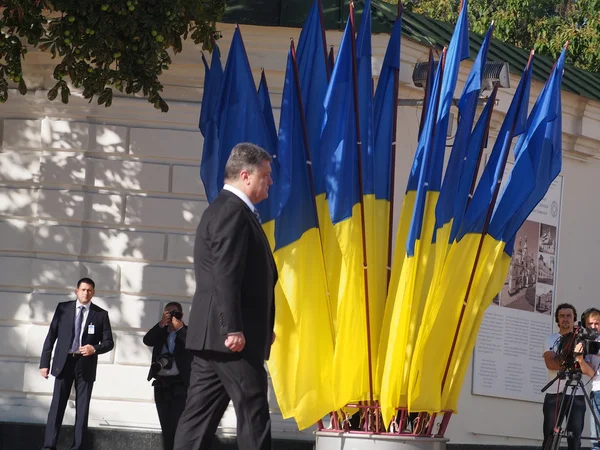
pixel 430 179
pixel 338 137
pixel 312 66
pixel 538 163
pixel 467 107
pixel 421 163
pixel 458 50
pixel 265 104
pixel 471 157
pixel 515 120
pixel 210 91
pixel 238 117
pixel 297 200
pixel 384 106
pixel 365 98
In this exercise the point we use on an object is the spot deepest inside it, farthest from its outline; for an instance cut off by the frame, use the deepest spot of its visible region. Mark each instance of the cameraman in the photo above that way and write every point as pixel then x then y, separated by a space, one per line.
pixel 590 366
pixel 565 316
pixel 170 368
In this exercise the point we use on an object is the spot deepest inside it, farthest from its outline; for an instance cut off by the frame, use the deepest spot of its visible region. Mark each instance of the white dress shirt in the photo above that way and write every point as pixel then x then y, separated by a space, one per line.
pixel 241 195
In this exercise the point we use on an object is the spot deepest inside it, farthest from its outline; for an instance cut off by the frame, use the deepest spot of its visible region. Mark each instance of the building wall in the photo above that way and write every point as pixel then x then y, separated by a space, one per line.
pixel 115 194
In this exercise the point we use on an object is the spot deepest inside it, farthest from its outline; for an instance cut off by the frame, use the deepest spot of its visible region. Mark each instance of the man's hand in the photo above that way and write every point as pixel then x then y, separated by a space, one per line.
pixel 87 350
pixel 44 372
pixel 578 349
pixel 235 342
pixel 166 319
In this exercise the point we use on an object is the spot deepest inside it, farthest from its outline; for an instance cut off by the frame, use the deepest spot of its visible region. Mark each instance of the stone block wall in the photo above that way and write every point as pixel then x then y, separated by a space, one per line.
pixel 116 203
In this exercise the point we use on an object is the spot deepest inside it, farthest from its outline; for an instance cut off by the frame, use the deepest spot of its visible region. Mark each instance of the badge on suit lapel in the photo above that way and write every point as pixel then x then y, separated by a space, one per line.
pixel 91 329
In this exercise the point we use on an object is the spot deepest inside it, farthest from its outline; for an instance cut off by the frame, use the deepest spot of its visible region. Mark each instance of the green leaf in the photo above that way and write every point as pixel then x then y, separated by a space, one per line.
pixel 22 87
pixel 52 93
pixel 64 94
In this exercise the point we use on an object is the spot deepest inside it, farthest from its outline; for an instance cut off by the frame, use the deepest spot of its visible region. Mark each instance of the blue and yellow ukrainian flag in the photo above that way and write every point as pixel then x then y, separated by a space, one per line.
pixel 340 155
pixel 404 223
pixel 426 177
pixel 538 158
pixel 436 335
pixel 314 77
pixel 392 350
pixel 467 107
pixel 417 398
pixel 377 200
pixel 376 210
pixel 301 368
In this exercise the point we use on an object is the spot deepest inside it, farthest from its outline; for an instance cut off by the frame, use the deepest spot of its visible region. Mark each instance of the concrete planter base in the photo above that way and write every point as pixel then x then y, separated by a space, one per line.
pixel 352 441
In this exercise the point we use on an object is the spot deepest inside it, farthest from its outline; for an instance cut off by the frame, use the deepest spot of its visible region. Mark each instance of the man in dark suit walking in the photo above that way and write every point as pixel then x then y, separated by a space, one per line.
pixel 233 311
pixel 170 369
pixel 83 332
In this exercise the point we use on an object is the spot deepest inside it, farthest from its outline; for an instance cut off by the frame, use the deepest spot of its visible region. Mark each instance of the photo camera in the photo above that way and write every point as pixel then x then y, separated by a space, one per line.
pixel 176 313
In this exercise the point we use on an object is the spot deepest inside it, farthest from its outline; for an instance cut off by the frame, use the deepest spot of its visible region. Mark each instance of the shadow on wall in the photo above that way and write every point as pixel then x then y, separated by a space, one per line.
pixel 75 202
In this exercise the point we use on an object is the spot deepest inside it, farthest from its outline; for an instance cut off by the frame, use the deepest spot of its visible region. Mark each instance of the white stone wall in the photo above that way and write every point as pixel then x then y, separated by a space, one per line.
pixel 115 194
pixel 116 203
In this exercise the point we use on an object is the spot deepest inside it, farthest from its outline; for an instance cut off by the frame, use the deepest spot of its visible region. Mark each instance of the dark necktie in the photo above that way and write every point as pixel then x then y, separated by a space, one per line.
pixel 76 339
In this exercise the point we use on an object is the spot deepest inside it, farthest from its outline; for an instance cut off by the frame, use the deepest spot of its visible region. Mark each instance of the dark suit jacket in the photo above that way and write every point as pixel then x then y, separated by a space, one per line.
pixel 235 280
pixel 157 338
pixel 62 328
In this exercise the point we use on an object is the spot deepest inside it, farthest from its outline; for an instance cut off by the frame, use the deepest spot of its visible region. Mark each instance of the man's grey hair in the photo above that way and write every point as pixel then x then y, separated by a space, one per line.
pixel 244 156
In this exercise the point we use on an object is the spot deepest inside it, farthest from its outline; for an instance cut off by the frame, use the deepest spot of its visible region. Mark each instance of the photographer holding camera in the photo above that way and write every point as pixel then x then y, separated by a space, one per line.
pixel 565 316
pixel 170 369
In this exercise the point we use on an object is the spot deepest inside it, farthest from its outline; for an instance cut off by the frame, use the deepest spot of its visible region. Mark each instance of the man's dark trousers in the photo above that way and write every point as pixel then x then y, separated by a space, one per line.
pixel 215 379
pixel 62 389
pixel 574 425
pixel 170 394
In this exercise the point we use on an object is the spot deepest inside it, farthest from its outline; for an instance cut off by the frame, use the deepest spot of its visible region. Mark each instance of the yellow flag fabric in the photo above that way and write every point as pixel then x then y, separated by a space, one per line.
pixel 488 281
pixel 311 381
pixel 408 206
pixel 284 356
pixel 350 361
pixel 439 326
pixel 407 313
pixel 332 255
pixel 377 213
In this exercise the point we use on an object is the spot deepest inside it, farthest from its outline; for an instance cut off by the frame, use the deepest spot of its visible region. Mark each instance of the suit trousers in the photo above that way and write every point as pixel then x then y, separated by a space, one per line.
pixel 62 389
pixel 170 394
pixel 215 379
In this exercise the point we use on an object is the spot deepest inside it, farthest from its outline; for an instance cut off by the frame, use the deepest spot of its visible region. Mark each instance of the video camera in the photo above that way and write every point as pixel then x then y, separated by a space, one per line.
pixel 567 343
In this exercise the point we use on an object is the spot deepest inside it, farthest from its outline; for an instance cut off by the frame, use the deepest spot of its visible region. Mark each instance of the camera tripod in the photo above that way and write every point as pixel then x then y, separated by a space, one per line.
pixel 566 405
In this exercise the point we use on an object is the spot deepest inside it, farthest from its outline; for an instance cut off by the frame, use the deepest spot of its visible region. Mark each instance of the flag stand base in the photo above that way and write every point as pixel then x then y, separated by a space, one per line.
pixel 328 440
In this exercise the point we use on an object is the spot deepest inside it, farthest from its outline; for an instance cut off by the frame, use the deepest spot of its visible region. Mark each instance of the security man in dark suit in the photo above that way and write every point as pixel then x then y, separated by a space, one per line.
pixel 170 369
pixel 83 332
pixel 233 311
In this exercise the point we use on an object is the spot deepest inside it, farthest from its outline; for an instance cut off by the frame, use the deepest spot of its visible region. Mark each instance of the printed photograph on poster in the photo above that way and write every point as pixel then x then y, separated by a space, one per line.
pixel 507 361
pixel 543 298
pixel 547 239
pixel 519 287
pixel 546 269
